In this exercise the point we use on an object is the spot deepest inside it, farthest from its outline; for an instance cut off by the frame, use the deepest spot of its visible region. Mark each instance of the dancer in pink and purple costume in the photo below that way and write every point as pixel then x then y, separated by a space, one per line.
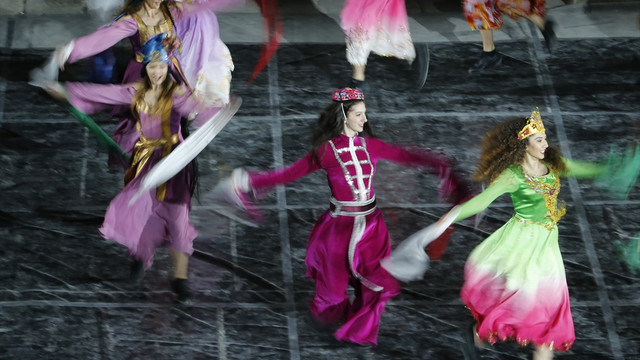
pixel 159 217
pixel 348 240
pixel 204 62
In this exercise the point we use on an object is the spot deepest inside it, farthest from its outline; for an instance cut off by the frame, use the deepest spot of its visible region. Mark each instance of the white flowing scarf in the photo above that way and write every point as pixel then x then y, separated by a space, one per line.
pixel 409 261
pixel 182 155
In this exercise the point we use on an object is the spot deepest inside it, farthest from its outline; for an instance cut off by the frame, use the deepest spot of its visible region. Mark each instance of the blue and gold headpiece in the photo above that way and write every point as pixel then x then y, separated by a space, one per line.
pixel 534 126
pixel 159 48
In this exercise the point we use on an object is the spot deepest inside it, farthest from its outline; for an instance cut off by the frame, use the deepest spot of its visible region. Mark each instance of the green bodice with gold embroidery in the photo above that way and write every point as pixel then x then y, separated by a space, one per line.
pixel 536 198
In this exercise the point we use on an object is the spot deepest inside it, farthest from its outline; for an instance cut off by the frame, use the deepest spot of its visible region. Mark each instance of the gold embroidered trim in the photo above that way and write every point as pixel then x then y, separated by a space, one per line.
pixel 144 147
pixel 493 338
pixel 549 225
pixel 555 210
pixel 148 31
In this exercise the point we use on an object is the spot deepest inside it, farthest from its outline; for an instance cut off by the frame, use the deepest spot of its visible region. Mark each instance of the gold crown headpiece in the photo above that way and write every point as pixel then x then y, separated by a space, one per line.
pixel 534 126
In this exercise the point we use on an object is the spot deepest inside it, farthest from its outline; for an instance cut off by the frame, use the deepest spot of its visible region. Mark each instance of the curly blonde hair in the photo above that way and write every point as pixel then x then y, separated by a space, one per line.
pixel 501 149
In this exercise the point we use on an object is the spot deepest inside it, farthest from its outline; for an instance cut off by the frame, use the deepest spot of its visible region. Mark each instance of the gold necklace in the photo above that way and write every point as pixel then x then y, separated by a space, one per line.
pixel 549 193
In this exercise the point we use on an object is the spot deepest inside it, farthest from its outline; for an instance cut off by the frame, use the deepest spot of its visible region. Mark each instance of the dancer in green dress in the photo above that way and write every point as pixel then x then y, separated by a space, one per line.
pixel 515 284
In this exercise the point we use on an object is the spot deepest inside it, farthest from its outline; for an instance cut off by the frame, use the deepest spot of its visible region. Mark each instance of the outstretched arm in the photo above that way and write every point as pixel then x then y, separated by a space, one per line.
pixel 453 187
pixel 617 175
pixel 100 40
pixel 90 98
pixel 408 156
pixel 187 104
pixel 584 169
pixel 409 261
pixel 505 183
pixel 295 171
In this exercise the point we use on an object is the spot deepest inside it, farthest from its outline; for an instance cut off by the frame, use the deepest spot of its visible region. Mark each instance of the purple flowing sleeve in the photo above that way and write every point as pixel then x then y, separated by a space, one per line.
pixel 90 98
pixel 189 106
pixel 205 59
pixel 102 39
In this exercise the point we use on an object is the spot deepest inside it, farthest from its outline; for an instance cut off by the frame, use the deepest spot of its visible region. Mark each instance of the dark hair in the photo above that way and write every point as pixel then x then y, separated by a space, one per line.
pixel 501 149
pixel 168 87
pixel 172 73
pixel 133 6
pixel 331 123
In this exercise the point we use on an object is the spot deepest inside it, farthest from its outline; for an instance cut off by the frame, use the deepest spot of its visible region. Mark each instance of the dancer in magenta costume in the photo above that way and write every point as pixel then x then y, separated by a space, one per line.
pixel 348 240
pixel 378 26
pixel 203 62
pixel 160 217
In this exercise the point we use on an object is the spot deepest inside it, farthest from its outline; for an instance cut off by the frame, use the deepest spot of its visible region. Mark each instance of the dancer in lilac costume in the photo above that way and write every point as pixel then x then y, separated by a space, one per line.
pixel 203 62
pixel 161 216
pixel 348 240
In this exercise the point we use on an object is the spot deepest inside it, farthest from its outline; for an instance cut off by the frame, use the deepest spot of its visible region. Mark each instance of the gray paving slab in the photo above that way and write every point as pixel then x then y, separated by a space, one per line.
pixel 10 7
pixel 46 32
pixel 51 7
pixel 5 38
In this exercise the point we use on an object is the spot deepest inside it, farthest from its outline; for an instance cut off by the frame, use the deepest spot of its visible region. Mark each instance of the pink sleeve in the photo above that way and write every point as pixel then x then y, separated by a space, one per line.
pixel 102 39
pixel 191 8
pixel 295 171
pixel 90 98
pixel 407 156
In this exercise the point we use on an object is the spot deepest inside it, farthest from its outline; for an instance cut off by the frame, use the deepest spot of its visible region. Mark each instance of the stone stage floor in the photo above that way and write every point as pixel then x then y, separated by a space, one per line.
pixel 65 292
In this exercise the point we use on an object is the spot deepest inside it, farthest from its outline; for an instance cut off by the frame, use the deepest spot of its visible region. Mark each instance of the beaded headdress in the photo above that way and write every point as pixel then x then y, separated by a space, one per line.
pixel 346 94
pixel 534 126
pixel 159 48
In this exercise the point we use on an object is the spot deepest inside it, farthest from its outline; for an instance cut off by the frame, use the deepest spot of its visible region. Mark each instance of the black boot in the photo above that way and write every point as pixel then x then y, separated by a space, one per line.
pixel 420 65
pixel 361 85
pixel 488 60
pixel 550 38
pixel 356 84
pixel 469 348
pixel 137 271
pixel 180 287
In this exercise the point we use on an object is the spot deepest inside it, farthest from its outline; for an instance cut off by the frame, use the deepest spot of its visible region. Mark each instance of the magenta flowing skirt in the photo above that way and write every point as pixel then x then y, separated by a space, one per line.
pixel 328 262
